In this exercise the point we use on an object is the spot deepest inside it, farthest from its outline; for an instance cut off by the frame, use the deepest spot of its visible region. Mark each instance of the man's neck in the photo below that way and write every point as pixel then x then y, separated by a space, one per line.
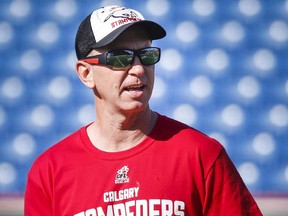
pixel 119 132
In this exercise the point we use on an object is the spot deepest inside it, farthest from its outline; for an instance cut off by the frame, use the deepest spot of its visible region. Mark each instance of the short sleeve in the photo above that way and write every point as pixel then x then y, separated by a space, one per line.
pixel 37 199
pixel 226 193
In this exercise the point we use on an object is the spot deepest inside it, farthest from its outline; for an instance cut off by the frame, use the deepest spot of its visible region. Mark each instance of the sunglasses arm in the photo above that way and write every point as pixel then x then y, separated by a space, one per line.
pixel 91 61
pixel 97 59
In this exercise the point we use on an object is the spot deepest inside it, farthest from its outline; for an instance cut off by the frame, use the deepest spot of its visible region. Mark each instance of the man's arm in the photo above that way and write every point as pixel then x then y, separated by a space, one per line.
pixel 226 193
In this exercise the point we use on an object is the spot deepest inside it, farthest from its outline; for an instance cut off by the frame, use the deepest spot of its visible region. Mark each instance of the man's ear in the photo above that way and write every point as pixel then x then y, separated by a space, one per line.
pixel 85 74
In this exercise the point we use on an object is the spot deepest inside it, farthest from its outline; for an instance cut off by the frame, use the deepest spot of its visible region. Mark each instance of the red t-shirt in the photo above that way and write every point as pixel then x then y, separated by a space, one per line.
pixel 176 170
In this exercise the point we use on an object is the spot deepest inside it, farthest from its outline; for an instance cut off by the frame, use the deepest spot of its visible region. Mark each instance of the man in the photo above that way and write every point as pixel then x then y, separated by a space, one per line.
pixel 131 160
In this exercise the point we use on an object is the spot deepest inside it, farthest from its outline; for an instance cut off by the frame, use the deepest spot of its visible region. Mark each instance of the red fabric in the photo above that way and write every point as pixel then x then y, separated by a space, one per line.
pixel 176 171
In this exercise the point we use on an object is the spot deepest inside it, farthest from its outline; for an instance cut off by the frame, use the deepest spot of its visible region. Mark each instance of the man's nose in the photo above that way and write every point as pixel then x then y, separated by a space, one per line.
pixel 137 68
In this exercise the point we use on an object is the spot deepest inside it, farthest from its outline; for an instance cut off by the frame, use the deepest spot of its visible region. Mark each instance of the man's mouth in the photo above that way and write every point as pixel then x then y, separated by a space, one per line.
pixel 135 88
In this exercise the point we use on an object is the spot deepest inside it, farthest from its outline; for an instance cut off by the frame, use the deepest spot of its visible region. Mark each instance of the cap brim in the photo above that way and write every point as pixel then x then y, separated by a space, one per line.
pixel 154 31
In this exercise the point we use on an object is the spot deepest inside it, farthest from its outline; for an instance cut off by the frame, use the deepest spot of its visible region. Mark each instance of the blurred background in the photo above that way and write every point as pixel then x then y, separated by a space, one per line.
pixel 224 71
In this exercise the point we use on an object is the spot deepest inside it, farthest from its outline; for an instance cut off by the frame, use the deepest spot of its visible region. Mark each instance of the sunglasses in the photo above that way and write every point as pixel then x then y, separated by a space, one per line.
pixel 123 58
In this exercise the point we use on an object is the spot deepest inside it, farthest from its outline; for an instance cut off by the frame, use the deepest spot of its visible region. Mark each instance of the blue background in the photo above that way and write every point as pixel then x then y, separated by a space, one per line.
pixel 223 70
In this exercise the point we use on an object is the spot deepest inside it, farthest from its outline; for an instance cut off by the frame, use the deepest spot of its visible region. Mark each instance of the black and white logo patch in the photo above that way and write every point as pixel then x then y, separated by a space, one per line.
pixel 122 175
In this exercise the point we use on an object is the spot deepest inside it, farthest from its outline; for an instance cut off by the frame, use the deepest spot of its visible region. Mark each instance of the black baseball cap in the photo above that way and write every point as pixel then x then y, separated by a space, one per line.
pixel 104 25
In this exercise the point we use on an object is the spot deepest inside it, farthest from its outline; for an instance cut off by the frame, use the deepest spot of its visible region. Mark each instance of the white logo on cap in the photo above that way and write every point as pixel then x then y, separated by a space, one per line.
pixel 120 13
pixel 107 19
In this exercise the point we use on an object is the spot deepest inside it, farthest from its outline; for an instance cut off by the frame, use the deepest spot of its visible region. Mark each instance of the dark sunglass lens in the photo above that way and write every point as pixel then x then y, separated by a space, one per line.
pixel 149 56
pixel 119 58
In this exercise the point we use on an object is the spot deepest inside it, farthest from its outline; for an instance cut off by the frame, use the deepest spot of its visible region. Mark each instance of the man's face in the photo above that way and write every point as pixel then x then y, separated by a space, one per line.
pixel 129 89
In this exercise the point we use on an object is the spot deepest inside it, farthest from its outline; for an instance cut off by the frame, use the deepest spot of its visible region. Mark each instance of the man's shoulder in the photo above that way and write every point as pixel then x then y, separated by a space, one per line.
pixel 66 143
pixel 60 150
pixel 180 129
pixel 187 136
